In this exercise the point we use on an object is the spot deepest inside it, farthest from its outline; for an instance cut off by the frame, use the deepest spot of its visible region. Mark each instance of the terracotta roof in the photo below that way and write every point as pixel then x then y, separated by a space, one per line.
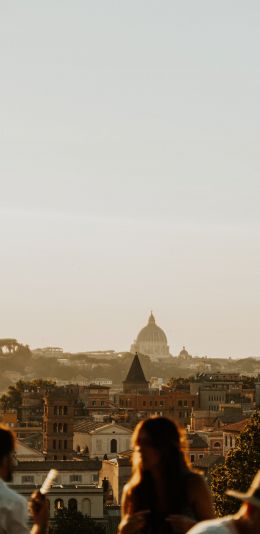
pixel 90 426
pixel 236 427
pixel 87 426
pixel 135 374
pixel 68 465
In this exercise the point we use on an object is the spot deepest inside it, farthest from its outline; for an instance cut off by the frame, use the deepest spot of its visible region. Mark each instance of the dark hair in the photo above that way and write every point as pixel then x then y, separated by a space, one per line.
pixel 7 442
pixel 168 438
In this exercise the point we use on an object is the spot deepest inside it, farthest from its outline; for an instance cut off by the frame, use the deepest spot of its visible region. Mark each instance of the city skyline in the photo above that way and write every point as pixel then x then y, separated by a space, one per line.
pixel 130 174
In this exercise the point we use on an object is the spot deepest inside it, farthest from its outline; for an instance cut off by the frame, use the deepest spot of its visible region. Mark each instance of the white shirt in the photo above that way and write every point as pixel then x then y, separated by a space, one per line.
pixel 224 525
pixel 13 511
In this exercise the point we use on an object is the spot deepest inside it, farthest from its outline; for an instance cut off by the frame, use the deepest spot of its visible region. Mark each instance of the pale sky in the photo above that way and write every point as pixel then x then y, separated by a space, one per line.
pixel 130 173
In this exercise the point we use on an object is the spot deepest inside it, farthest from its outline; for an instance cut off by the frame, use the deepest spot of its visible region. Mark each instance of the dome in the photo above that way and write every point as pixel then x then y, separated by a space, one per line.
pixel 151 333
pixel 184 355
pixel 151 341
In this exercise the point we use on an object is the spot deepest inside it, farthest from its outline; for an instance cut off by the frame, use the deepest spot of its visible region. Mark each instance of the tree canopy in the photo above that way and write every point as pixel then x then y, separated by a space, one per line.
pixel 239 468
pixel 67 521
pixel 13 398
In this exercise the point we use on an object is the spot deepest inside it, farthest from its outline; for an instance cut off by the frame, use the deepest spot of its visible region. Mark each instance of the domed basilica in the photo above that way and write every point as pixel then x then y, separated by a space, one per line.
pixel 151 341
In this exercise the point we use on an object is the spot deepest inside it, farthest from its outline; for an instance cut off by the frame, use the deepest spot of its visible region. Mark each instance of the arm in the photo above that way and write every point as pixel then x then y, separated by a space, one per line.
pixel 40 513
pixel 201 503
pixel 200 498
pixel 131 523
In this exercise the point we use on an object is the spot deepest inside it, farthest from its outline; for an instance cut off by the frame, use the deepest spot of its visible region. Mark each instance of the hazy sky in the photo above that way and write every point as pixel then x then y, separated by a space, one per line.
pixel 130 173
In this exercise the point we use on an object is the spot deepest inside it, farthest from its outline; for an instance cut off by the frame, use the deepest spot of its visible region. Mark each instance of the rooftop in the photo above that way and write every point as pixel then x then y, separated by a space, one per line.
pixel 66 465
pixel 135 374
pixel 236 427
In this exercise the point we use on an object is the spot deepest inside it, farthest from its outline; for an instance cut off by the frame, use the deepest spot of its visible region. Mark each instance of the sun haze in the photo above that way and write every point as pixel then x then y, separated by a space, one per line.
pixel 130 173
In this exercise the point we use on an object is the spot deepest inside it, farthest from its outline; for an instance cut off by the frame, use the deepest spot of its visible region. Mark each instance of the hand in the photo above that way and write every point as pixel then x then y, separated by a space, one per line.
pixel 39 510
pixel 180 523
pixel 132 524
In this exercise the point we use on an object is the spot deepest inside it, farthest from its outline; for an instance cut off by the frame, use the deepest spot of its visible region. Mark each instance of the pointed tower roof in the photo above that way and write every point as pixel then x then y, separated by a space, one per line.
pixel 135 374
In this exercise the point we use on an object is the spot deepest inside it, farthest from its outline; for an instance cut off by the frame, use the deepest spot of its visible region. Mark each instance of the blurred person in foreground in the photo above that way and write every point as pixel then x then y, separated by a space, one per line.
pixel 163 495
pixel 13 507
pixel 247 519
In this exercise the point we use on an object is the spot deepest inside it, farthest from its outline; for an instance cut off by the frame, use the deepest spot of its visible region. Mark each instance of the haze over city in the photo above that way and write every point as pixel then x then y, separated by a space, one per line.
pixel 130 174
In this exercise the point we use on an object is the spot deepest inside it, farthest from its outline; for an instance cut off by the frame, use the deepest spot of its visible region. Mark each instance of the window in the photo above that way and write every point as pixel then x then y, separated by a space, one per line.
pixel 55 428
pixel 27 479
pixel 75 478
pixel 65 427
pixel 93 403
pixel 201 456
pixel 55 410
pixel 65 444
pixel 192 404
pixel 65 410
pixel 54 444
pixel 151 403
pixel 161 403
pixel 180 403
pixel 144 403
pixel 58 504
pixel 192 458
pixel 102 403
pixel 95 477
pixel 113 445
pixel 72 505
pixel 185 403
pixel 86 507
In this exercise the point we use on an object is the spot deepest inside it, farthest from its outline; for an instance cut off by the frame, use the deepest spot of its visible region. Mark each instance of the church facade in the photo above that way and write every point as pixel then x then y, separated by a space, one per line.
pixel 151 341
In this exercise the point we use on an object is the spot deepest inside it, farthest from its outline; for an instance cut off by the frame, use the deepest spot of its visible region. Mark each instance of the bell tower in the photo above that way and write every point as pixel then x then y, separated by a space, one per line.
pixel 58 421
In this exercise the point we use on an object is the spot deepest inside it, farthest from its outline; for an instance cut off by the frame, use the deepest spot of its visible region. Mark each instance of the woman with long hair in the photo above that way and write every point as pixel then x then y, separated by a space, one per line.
pixel 163 495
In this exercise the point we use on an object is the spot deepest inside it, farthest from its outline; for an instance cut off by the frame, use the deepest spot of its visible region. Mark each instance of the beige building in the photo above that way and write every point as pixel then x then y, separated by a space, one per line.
pixel 76 486
pixel 230 434
pixel 116 472
pixel 98 439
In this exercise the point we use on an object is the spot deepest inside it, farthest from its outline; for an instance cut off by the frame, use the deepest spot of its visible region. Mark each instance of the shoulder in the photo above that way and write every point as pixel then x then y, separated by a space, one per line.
pixel 218 526
pixel 10 496
pixel 125 498
pixel 13 511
